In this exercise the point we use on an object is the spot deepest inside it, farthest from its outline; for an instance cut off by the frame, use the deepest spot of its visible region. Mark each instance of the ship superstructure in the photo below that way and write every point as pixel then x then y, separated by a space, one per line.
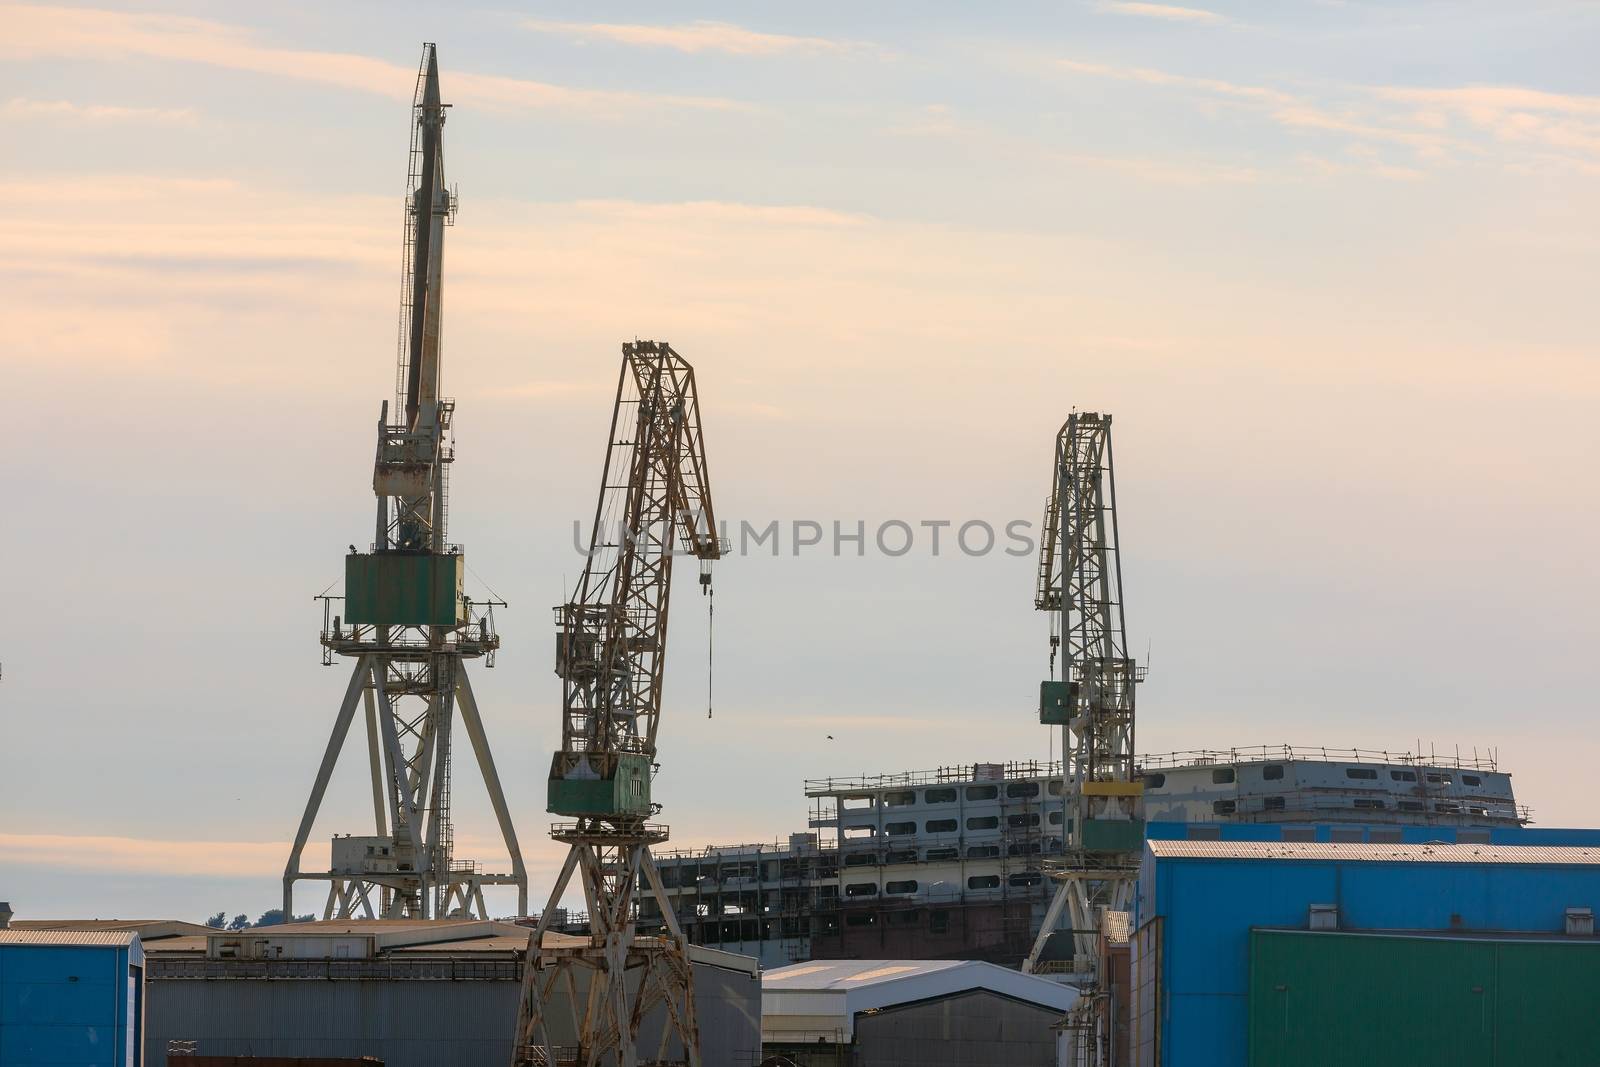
pixel 949 863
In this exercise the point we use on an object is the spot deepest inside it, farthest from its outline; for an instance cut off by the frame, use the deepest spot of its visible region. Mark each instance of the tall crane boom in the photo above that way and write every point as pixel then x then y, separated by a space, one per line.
pixel 655 504
pixel 1080 576
pixel 405 621
pixel 1080 579
pixel 432 208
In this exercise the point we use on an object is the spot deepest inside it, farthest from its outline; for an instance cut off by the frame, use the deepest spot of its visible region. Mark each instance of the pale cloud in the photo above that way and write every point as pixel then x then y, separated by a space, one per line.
pixel 49 32
pixel 1169 171
pixel 761 411
pixel 544 389
pixel 693 37
pixel 942 122
pixel 94 279
pixel 853 723
pixel 1159 11
pixel 1290 110
pixel 218 859
pixel 1562 123
pixel 1544 129
pixel 22 108
pixel 722 211
pixel 1496 98
pixel 68 852
pixel 933 120
pixel 1149 76
pixel 1334 168
pixel 1306 116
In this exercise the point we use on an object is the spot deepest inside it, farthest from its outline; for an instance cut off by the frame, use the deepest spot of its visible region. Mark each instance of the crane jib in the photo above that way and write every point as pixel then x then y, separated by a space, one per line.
pixel 429 115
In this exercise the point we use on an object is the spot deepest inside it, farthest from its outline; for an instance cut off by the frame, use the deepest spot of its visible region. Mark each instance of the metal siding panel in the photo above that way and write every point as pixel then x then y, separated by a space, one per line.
pixel 415 1023
pixel 1544 1003
pixel 1332 999
pixel 1213 907
pixel 59 1002
pixel 1492 897
pixel 1208 1031
pixel 405 1023
pixel 977 1029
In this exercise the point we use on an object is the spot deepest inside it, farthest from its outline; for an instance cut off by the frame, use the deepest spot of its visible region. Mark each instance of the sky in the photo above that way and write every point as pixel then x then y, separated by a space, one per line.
pixel 1329 264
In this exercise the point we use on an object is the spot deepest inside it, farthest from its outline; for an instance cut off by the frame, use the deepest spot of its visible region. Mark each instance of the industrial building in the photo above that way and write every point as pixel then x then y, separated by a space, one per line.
pixel 948 863
pixel 910 1013
pixel 1322 953
pixel 72 997
pixel 413 992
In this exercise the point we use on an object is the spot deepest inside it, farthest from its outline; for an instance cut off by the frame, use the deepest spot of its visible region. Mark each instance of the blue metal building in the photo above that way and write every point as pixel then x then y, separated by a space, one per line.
pixel 71 997
pixel 1203 908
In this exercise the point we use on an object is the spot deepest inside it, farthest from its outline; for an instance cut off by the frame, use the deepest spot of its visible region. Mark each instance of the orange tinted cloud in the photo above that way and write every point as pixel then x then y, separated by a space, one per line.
pixel 692 37
pixel 34 31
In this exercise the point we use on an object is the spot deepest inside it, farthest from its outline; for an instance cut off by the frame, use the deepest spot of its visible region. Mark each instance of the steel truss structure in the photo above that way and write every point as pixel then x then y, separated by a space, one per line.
pixel 405 623
pixel 1080 577
pixel 655 503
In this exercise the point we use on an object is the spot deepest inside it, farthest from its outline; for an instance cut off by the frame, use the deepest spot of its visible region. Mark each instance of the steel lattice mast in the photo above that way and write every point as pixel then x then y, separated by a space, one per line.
pixel 655 502
pixel 1080 576
pixel 405 621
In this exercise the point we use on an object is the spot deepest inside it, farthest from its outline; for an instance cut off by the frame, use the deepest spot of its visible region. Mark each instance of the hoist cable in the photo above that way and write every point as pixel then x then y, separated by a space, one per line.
pixel 711 619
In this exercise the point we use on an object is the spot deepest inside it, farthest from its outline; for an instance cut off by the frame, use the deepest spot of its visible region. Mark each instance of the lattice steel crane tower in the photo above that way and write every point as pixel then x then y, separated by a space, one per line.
pixel 655 502
pixel 1080 577
pixel 405 622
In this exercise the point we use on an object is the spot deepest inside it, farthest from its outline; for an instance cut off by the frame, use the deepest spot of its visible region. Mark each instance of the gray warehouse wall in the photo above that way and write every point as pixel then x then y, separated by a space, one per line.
pixel 406 1023
pixel 977 1029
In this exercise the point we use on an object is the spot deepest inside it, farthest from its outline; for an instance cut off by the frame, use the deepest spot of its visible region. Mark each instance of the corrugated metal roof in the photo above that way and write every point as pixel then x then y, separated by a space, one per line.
pixel 841 974
pixel 823 997
pixel 68 937
pixel 1116 926
pixel 400 938
pixel 1538 855
pixel 81 924
pixel 147 929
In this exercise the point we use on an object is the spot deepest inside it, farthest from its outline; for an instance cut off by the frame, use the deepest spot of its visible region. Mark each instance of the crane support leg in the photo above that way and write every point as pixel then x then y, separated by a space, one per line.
pixel 341 728
pixel 614 981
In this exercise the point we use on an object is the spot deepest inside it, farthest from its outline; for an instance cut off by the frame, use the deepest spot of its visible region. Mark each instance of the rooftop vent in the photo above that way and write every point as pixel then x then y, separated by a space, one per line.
pixel 1323 917
pixel 5 914
pixel 1580 922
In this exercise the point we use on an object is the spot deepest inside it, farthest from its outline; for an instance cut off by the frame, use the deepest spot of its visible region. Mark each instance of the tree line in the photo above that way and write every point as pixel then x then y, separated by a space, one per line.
pixel 273 917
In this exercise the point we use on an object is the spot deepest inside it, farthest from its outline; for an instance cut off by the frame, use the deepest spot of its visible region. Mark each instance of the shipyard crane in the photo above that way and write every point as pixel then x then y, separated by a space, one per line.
pixel 655 503
pixel 405 621
pixel 1080 581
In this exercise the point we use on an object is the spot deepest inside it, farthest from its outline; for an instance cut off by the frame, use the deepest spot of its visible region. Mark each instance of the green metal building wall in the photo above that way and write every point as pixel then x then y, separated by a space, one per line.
pixel 1324 998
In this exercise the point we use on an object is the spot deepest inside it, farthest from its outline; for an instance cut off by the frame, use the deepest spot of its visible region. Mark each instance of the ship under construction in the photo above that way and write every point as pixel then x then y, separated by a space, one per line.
pixel 949 863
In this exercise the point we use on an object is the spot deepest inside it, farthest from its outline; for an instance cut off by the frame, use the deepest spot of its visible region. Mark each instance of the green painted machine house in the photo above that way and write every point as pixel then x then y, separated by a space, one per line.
pixel 625 790
pixel 404 589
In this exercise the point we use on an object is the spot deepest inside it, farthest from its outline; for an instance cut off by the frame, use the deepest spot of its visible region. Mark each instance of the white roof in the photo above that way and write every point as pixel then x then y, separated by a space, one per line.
pixel 805 1001
pixel 1540 855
